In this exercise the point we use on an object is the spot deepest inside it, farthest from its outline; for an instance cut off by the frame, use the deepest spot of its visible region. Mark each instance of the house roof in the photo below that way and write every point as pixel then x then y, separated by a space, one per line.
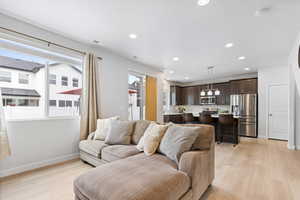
pixel 19 92
pixel 17 64
pixel 12 63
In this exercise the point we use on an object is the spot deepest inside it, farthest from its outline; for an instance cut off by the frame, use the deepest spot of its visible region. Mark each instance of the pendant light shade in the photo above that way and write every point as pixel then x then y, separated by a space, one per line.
pixel 209 93
pixel 202 93
pixel 217 92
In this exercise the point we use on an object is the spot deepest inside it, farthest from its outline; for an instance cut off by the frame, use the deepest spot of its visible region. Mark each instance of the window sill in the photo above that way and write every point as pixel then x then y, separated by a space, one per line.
pixel 45 119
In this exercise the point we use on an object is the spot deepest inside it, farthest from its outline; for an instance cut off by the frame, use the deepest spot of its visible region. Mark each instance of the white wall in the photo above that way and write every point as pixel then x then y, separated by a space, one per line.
pixel 267 77
pixel 35 142
pixel 39 143
pixel 295 91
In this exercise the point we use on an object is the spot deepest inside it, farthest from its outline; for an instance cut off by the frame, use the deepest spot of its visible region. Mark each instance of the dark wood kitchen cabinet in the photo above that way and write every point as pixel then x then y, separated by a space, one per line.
pixel 224 97
pixel 244 86
pixel 176 96
pixel 190 95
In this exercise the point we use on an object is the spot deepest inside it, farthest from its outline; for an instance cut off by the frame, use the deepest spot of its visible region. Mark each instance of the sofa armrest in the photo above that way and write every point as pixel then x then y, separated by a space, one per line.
pixel 197 165
pixel 91 136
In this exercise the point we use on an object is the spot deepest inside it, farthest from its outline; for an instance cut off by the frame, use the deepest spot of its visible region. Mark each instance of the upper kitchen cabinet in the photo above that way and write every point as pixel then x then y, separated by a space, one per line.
pixel 190 95
pixel 176 96
pixel 244 86
pixel 224 97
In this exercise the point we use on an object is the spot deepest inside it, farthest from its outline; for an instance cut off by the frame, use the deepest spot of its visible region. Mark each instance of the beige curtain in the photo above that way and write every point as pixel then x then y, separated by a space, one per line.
pixel 151 98
pixel 4 143
pixel 89 105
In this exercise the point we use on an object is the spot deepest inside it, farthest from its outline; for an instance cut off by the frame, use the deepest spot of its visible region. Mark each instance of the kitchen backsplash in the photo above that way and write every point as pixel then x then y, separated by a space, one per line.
pixel 198 109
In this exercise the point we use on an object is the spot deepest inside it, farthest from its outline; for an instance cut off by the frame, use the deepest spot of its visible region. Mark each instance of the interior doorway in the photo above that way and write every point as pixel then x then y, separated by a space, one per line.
pixel 278 112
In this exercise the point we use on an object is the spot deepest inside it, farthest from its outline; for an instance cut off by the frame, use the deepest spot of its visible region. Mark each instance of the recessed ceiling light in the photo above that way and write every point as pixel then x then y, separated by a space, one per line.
pixel 229 45
pixel 262 11
pixel 242 58
pixel 175 58
pixel 132 36
pixel 186 78
pixel 247 68
pixel 171 71
pixel 203 2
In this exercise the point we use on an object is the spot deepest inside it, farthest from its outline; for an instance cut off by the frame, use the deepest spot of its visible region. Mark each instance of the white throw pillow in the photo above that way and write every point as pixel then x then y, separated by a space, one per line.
pixel 151 139
pixel 103 126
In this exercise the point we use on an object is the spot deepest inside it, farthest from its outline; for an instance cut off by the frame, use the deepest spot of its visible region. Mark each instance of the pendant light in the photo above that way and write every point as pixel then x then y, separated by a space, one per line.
pixel 210 92
pixel 202 93
pixel 217 92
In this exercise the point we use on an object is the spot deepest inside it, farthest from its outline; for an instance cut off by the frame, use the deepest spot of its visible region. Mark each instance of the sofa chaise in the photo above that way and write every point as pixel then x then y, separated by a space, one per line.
pixel 125 173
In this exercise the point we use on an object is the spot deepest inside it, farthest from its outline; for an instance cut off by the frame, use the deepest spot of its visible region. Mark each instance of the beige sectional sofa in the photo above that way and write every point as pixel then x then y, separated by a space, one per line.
pixel 131 175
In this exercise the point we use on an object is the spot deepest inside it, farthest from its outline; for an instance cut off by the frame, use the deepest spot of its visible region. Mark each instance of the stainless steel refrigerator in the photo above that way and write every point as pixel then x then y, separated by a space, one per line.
pixel 245 107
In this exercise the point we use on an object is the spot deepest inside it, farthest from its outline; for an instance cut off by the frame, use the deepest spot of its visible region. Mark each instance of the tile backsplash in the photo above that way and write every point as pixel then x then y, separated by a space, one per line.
pixel 198 109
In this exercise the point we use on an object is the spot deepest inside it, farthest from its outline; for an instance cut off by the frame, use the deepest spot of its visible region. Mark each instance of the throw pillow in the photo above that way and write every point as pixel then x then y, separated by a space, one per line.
pixel 177 140
pixel 103 127
pixel 119 132
pixel 151 139
pixel 139 130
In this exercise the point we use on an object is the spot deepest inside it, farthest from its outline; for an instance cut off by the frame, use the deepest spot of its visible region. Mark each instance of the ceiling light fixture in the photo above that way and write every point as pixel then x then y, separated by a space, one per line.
pixel 186 78
pixel 203 2
pixel 229 45
pixel 175 58
pixel 132 36
pixel 242 58
pixel 171 71
pixel 247 68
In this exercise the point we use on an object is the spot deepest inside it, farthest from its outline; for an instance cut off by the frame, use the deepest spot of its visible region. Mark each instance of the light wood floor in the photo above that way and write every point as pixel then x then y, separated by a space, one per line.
pixel 256 169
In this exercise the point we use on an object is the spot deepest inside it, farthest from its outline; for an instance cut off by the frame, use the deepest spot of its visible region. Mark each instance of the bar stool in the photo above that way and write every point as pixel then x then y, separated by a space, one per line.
pixel 188 117
pixel 227 126
pixel 205 118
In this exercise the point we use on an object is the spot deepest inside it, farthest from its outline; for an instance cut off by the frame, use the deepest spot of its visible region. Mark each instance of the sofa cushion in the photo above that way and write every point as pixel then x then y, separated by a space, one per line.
pixel 119 132
pixel 92 147
pixel 177 140
pixel 116 152
pixel 139 130
pixel 103 127
pixel 137 177
pixel 155 130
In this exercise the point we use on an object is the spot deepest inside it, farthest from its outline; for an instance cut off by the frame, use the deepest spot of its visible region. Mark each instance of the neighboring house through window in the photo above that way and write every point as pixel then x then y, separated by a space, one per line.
pixel 5 76
pixel 52 102
pixel 64 81
pixel 68 103
pixel 23 78
pixel 52 79
pixel 61 103
pixel 75 82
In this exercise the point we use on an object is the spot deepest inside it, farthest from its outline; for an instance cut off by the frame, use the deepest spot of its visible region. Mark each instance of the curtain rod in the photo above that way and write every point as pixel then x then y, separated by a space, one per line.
pixel 46 41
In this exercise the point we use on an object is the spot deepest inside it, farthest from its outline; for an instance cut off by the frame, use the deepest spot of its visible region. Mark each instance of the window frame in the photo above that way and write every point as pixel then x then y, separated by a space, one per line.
pixel 20 79
pixel 65 81
pixel 51 80
pixel 9 77
pixel 75 80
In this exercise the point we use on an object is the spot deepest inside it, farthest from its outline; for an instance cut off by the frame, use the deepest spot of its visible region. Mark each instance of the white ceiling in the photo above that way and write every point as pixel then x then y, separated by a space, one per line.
pixel 169 28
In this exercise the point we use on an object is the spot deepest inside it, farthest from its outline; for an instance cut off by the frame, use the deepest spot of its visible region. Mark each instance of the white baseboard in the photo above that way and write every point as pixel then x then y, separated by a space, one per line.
pixel 35 165
pixel 291 147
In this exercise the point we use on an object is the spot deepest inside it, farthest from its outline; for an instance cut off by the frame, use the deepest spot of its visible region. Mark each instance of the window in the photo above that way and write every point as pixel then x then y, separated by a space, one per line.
pixel 37 86
pixel 61 103
pixel 52 79
pixel 76 103
pixel 52 103
pixel 64 81
pixel 68 103
pixel 75 82
pixel 136 108
pixel 5 76
pixel 23 78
